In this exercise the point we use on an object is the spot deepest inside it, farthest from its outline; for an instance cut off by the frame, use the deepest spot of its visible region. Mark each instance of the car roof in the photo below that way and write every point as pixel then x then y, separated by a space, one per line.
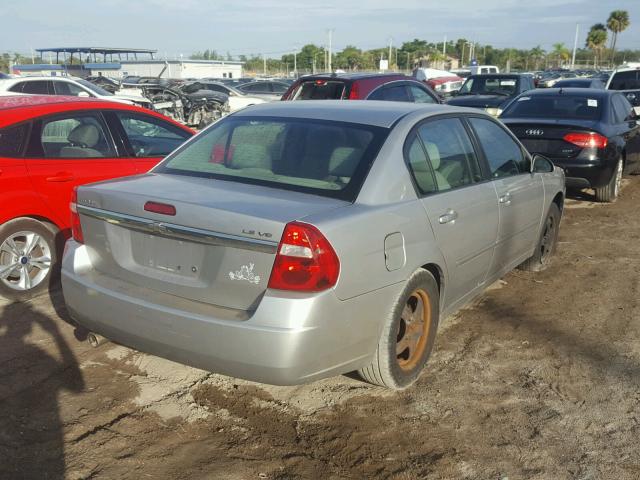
pixel 353 76
pixel 578 80
pixel 26 107
pixel 365 112
pixel 500 75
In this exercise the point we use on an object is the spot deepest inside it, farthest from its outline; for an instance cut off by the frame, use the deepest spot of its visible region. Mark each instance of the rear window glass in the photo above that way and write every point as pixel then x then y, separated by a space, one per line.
pixel 320 90
pixel 625 80
pixel 320 157
pixel 11 140
pixel 489 86
pixel 560 106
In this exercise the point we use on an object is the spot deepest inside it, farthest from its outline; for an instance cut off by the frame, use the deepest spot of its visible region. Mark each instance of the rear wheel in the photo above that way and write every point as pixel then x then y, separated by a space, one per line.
pixel 408 335
pixel 546 246
pixel 609 193
pixel 27 258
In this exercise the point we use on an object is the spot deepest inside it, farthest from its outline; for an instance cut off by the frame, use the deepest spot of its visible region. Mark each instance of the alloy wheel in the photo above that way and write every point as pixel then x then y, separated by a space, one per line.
pixel 25 260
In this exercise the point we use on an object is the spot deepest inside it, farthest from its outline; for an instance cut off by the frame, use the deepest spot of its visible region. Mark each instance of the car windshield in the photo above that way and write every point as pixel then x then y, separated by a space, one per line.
pixel 629 80
pixel 319 90
pixel 94 88
pixel 321 157
pixel 555 106
pixel 489 86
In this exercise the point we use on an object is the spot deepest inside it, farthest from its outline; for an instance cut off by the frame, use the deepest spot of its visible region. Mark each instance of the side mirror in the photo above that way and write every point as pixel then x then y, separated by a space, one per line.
pixel 454 93
pixel 541 164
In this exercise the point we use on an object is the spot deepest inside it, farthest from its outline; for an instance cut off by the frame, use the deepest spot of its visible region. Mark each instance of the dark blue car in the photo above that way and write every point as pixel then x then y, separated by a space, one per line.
pixel 594 135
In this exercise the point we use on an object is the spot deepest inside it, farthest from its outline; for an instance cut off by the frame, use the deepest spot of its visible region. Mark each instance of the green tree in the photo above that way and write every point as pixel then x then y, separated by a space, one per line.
pixel 537 54
pixel 596 41
pixel 561 53
pixel 618 22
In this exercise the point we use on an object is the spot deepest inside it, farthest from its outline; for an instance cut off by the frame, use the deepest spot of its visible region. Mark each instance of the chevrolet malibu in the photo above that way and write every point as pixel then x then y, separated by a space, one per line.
pixel 300 240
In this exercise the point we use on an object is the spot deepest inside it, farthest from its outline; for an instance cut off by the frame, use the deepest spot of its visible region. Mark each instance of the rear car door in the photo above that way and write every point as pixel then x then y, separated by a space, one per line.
pixel 520 193
pixel 146 139
pixel 68 150
pixel 14 182
pixel 462 209
pixel 395 92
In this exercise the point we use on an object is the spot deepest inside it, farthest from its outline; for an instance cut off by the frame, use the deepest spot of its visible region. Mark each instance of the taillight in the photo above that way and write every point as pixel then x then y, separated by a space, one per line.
pixel 305 260
pixel 354 93
pixel 586 140
pixel 76 226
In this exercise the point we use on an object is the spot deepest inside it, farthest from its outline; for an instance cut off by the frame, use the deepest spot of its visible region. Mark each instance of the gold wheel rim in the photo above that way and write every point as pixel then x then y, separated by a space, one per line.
pixel 413 328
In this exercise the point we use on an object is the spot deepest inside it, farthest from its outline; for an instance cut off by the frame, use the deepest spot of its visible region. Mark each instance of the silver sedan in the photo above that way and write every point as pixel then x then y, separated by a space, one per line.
pixel 293 241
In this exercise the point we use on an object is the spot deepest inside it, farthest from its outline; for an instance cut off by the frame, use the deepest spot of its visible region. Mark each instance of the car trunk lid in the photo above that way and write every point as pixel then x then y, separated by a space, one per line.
pixel 217 249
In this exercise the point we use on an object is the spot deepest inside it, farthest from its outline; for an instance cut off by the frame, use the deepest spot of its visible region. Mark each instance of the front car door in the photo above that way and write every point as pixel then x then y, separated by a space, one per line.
pixel 68 150
pixel 625 124
pixel 520 194
pixel 461 207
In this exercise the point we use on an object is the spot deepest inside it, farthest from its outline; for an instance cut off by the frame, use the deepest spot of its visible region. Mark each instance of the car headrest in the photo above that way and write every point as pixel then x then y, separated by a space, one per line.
pixel 86 136
pixel 344 161
pixel 246 155
pixel 434 154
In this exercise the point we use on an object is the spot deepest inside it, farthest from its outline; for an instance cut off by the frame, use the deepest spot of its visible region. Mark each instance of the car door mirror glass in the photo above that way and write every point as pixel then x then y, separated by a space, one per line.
pixel 541 164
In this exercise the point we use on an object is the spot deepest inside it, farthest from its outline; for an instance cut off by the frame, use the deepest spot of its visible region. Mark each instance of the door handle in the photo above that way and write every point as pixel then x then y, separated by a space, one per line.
pixel 448 217
pixel 61 177
pixel 505 199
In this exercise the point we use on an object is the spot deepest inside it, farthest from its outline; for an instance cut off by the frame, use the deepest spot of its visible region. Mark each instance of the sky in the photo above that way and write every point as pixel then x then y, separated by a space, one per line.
pixel 276 27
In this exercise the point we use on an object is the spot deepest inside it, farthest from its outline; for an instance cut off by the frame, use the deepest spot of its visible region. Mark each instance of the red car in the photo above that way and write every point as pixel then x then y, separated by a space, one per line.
pixel 361 86
pixel 49 145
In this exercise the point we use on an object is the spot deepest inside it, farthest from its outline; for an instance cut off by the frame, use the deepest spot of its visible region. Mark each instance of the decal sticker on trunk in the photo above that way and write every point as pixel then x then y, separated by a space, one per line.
pixel 245 273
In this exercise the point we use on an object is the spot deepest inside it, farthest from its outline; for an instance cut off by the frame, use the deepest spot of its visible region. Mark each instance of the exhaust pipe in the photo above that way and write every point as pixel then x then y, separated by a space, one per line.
pixel 96 340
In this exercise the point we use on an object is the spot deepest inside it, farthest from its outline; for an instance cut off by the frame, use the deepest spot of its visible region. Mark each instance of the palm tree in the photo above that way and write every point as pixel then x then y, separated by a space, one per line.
pixel 537 54
pixel 618 21
pixel 596 40
pixel 561 53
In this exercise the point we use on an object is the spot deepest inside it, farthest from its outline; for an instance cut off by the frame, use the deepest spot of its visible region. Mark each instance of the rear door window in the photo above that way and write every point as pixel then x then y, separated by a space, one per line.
pixel 420 95
pixel 257 88
pixel 326 158
pixel 37 87
pixel 391 93
pixel 504 155
pixel 79 136
pixel 320 90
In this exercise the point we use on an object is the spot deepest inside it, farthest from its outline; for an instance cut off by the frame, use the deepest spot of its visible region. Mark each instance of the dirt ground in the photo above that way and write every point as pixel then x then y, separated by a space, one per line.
pixel 539 380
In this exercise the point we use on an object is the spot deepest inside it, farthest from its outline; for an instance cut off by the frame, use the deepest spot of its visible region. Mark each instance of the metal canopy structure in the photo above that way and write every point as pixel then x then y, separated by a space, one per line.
pixel 93 52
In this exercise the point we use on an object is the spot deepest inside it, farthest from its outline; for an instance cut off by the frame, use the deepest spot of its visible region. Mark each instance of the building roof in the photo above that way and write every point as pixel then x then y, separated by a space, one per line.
pixel 105 50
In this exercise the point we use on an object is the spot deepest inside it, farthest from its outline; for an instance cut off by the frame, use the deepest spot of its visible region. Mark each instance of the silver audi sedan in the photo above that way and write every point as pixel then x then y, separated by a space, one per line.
pixel 298 240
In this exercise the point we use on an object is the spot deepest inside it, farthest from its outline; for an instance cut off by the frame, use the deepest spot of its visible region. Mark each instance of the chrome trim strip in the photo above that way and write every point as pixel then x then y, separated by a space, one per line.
pixel 178 232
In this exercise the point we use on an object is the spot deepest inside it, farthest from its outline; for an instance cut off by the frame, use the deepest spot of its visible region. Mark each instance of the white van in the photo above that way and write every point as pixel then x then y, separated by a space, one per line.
pixel 484 69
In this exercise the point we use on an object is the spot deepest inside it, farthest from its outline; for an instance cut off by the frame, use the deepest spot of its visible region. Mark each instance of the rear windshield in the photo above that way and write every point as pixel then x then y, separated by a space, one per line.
pixel 320 157
pixel 559 106
pixel 489 86
pixel 625 80
pixel 320 90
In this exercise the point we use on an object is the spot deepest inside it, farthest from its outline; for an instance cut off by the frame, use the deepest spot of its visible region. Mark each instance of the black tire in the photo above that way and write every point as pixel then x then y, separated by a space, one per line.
pixel 399 370
pixel 609 193
pixel 546 246
pixel 48 235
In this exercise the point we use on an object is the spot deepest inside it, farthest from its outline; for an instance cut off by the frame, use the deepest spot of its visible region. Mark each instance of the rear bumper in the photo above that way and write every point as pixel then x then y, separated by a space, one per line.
pixel 594 174
pixel 289 339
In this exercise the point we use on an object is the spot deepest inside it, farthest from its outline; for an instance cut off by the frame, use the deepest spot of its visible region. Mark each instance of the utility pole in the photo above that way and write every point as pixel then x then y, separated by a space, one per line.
pixel 264 62
pixel 330 53
pixel 409 61
pixel 295 64
pixel 390 44
pixel 444 47
pixel 575 47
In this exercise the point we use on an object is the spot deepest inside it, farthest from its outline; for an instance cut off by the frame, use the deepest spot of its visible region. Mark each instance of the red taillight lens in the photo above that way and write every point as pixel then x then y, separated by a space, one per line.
pixel 354 93
pixel 305 260
pixel 76 226
pixel 161 208
pixel 586 140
